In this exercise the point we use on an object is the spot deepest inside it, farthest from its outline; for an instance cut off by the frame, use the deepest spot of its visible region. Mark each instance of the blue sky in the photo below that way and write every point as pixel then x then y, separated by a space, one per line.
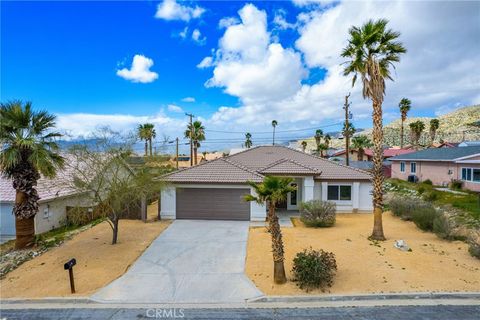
pixel 268 60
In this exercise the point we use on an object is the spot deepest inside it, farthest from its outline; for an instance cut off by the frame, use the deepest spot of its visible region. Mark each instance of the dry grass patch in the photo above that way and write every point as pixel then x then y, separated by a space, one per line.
pixel 365 266
pixel 98 262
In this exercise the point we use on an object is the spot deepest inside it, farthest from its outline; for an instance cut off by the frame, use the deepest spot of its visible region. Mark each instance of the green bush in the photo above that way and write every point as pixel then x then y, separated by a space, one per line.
pixel 424 215
pixel 421 190
pixel 403 207
pixel 428 181
pixel 474 250
pixel 442 226
pixel 430 196
pixel 317 213
pixel 314 269
pixel 456 185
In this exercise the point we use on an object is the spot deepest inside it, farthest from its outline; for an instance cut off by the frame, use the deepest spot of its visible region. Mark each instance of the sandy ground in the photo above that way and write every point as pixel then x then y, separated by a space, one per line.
pixel 364 267
pixel 98 262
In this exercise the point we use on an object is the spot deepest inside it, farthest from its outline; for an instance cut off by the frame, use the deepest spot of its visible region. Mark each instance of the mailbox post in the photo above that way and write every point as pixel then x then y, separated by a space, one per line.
pixel 69 266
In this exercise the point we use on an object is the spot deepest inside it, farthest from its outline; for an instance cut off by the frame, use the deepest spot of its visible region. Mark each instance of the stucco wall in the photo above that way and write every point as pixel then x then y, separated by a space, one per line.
pixel 7 220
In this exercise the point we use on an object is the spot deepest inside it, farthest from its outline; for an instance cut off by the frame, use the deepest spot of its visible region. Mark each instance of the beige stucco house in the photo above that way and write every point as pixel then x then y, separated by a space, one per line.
pixel 441 166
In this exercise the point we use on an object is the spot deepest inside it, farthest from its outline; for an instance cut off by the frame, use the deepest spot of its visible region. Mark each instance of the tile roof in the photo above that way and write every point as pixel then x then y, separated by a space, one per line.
pixel 250 164
pixel 47 189
pixel 439 154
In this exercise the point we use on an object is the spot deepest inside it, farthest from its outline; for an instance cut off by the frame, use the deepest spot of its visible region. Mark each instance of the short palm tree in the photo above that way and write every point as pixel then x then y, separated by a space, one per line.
pixel 28 151
pixel 304 145
pixel 197 134
pixel 327 139
pixel 371 50
pixel 404 105
pixel 361 143
pixel 321 148
pixel 274 125
pixel 151 134
pixel 272 191
pixel 248 140
pixel 416 129
pixel 318 137
pixel 434 125
pixel 143 135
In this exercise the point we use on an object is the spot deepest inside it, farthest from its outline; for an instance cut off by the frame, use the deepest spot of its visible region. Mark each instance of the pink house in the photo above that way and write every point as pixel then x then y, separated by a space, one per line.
pixel 441 166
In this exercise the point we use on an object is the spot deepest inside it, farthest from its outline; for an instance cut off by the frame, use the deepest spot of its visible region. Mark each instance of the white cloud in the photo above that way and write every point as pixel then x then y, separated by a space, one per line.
pixel 305 3
pixel 227 22
pixel 139 71
pixel 280 21
pixel 183 34
pixel 188 99
pixel 171 10
pixel 205 63
pixel 197 37
pixel 174 108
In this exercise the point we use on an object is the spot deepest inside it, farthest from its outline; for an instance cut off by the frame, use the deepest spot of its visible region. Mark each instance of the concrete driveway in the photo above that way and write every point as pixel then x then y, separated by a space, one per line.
pixel 192 261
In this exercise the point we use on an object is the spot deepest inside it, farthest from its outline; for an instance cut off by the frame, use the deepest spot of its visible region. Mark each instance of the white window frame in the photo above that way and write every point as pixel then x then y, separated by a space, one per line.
pixel 341 185
pixel 402 166
pixel 411 166
pixel 466 174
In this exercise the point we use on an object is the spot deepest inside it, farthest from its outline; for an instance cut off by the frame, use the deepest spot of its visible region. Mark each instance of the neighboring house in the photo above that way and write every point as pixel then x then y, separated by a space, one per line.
pixel 469 144
pixel 368 153
pixel 56 195
pixel 215 189
pixel 441 166
pixel 184 161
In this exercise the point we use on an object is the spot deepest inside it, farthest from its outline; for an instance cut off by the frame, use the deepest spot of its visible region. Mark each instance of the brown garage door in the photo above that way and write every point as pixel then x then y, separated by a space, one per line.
pixel 212 204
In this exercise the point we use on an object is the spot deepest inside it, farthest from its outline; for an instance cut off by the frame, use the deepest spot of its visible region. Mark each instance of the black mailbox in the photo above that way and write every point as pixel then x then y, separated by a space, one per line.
pixel 69 264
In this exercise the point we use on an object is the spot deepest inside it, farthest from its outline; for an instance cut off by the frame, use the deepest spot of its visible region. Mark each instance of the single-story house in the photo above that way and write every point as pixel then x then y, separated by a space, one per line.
pixel 368 153
pixel 215 189
pixel 441 166
pixel 56 196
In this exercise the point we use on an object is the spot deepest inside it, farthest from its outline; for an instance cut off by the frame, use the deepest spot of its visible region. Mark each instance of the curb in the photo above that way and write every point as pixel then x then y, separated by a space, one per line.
pixel 370 297
pixel 79 300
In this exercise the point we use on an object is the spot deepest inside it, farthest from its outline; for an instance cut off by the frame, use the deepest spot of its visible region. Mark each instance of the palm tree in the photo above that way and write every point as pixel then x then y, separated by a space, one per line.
pixel 271 191
pixel 434 125
pixel 304 145
pixel 404 105
pixel 143 135
pixel 416 129
pixel 197 134
pixel 327 139
pixel 318 137
pixel 274 124
pixel 372 49
pixel 361 143
pixel 28 151
pixel 321 148
pixel 248 140
pixel 151 134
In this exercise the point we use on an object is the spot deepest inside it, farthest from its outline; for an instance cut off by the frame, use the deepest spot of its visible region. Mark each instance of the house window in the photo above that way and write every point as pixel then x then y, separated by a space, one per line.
pixel 336 193
pixel 471 174
pixel 293 195
pixel 413 167
pixel 402 166
pixel 476 175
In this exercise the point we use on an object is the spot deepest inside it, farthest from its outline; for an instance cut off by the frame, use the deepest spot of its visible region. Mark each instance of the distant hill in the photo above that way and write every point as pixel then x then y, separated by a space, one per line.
pixel 455 126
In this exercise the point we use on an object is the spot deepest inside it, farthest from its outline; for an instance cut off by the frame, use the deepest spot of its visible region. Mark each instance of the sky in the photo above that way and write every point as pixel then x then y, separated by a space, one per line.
pixel 235 65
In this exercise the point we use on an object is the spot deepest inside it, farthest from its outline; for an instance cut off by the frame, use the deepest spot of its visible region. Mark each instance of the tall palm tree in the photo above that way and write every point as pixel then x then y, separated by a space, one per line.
pixel 404 105
pixel 318 137
pixel 304 145
pixel 248 140
pixel 274 124
pixel 416 129
pixel 327 139
pixel 434 125
pixel 28 151
pixel 371 50
pixel 151 134
pixel 198 134
pixel 271 191
pixel 361 143
pixel 142 132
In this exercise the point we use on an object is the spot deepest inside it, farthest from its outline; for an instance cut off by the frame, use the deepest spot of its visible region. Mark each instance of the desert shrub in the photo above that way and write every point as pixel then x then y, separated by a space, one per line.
pixel 474 250
pixel 317 213
pixel 403 207
pixel 428 181
pixel 424 215
pixel 442 226
pixel 314 269
pixel 430 196
pixel 456 184
pixel 421 190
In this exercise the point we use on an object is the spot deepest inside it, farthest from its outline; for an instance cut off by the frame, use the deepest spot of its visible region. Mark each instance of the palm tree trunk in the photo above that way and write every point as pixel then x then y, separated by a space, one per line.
pixel 378 177
pixel 150 143
pixel 24 228
pixel 279 276
pixel 195 153
pixel 401 135
pixel 146 147
pixel 115 229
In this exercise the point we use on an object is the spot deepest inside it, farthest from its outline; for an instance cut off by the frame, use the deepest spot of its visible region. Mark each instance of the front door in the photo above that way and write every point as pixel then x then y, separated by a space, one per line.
pixel 292 199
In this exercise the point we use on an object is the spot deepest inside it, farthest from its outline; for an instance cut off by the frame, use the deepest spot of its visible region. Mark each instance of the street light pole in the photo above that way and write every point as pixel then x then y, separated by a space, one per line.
pixel 191 138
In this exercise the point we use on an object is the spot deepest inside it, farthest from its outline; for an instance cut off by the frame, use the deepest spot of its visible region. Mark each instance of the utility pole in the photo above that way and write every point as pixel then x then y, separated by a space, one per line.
pixel 191 138
pixel 347 130
pixel 177 152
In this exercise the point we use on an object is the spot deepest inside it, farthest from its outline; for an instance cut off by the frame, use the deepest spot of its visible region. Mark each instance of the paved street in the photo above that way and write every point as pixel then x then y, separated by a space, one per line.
pixel 193 261
pixel 327 313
